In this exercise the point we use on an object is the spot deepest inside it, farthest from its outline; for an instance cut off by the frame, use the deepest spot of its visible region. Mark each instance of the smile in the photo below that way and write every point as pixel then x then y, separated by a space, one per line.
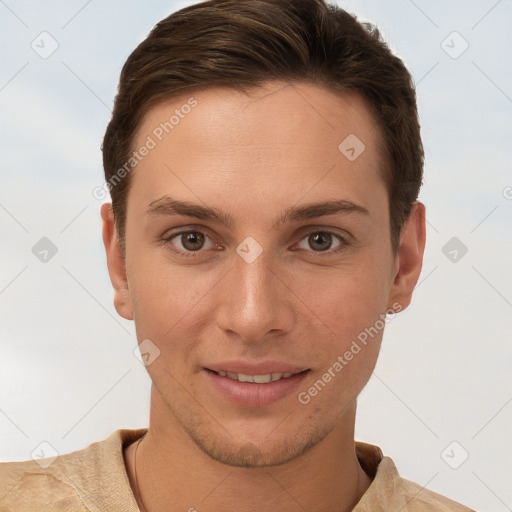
pixel 254 389
pixel 257 379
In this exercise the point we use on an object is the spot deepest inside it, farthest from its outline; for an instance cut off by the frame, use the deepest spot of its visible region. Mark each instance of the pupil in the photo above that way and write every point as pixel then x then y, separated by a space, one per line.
pixel 319 236
pixel 192 240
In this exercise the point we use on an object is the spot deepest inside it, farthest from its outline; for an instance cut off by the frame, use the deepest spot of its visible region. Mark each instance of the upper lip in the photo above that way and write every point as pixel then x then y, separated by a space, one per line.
pixel 259 368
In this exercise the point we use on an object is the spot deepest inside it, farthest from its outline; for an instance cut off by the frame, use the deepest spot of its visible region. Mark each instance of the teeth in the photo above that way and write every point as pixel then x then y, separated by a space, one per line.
pixel 262 379
pixel 258 379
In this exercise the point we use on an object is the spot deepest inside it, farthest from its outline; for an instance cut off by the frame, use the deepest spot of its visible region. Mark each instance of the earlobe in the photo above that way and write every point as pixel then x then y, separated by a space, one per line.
pixel 409 258
pixel 116 263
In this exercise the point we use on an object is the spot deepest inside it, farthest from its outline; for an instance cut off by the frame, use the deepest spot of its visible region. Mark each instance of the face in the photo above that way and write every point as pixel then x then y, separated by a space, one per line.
pixel 256 245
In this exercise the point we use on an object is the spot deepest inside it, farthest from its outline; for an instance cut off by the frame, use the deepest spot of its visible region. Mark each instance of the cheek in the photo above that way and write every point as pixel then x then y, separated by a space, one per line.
pixel 167 299
pixel 341 378
pixel 347 301
pixel 352 313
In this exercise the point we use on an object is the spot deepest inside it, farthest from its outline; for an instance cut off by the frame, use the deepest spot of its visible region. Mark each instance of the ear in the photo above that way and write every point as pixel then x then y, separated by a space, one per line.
pixel 116 264
pixel 409 257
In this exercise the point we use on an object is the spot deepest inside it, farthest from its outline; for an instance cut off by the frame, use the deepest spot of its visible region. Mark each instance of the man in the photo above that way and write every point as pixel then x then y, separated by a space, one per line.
pixel 264 160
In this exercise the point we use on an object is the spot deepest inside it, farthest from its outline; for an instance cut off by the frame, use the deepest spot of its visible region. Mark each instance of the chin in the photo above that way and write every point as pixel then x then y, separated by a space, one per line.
pixel 251 443
pixel 266 453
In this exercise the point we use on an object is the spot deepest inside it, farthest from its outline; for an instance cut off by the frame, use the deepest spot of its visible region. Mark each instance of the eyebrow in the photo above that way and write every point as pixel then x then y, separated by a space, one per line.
pixel 168 206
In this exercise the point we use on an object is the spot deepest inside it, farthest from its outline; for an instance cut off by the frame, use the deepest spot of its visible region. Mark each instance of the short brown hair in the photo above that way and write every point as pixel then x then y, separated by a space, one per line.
pixel 244 43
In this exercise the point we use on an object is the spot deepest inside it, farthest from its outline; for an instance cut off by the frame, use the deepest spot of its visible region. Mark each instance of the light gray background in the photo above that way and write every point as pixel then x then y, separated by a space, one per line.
pixel 68 374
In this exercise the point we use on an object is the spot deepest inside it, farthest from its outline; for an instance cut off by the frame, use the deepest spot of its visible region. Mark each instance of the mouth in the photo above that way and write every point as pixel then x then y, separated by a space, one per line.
pixel 257 387
pixel 257 379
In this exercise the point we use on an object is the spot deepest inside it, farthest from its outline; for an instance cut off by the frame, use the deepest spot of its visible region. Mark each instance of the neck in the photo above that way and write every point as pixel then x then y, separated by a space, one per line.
pixel 173 473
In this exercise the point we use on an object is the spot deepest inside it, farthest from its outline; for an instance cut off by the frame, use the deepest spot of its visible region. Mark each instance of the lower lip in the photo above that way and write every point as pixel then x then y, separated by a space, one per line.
pixel 251 394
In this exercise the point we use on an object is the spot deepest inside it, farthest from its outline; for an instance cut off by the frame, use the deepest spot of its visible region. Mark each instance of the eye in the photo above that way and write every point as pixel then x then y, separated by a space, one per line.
pixel 189 242
pixel 193 243
pixel 322 240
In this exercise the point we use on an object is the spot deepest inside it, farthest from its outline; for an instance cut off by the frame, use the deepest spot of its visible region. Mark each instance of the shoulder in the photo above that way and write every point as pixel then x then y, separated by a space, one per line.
pixel 89 479
pixel 390 492
pixel 419 499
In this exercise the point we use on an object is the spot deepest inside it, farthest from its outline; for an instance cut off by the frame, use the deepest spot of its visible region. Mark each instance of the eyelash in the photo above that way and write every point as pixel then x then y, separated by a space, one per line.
pixel 194 254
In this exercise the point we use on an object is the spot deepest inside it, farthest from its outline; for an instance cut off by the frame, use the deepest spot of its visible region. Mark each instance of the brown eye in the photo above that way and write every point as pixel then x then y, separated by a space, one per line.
pixel 189 242
pixel 320 241
pixel 192 240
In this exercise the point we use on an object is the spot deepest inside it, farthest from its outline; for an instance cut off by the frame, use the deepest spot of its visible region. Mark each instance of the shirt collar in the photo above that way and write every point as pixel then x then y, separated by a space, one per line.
pixel 381 496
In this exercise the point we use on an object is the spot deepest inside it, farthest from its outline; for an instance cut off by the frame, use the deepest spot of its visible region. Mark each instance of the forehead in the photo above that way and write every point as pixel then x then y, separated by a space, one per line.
pixel 279 140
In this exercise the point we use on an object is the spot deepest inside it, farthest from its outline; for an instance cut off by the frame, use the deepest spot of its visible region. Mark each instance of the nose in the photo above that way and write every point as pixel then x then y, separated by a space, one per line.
pixel 256 302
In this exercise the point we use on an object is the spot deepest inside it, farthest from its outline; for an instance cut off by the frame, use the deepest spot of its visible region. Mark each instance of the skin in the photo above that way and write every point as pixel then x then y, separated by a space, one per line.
pixel 252 156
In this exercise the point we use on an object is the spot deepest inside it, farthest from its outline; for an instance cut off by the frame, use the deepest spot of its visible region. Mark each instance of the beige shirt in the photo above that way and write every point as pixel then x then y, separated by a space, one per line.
pixel 95 480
